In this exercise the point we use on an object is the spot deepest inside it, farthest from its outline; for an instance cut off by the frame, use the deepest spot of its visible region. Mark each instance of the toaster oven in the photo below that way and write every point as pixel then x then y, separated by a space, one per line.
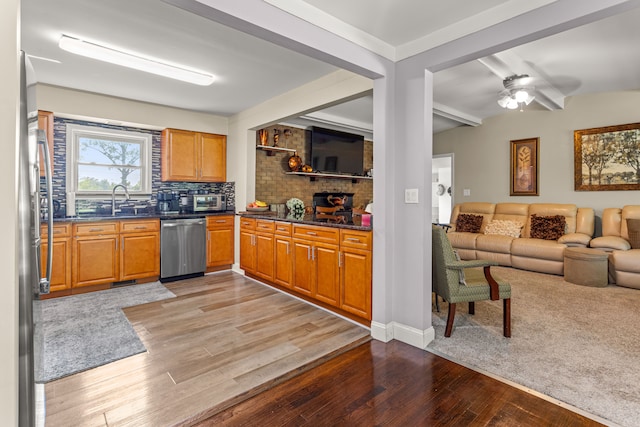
pixel 209 202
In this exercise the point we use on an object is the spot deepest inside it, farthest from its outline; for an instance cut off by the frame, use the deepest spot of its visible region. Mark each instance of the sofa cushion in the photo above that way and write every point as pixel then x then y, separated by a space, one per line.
pixel 547 227
pixel 610 243
pixel 538 248
pixel 494 243
pixel 504 228
pixel 633 228
pixel 469 223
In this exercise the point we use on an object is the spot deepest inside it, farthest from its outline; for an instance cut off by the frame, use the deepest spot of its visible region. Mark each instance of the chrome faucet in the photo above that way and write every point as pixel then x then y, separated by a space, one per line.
pixel 113 197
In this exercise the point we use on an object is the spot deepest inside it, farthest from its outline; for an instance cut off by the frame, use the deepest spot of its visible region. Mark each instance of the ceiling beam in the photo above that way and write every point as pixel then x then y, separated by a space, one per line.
pixel 456 115
pixel 507 63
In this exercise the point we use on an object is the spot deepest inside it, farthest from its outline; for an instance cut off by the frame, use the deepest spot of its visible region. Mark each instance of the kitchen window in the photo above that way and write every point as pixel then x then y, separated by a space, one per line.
pixel 100 158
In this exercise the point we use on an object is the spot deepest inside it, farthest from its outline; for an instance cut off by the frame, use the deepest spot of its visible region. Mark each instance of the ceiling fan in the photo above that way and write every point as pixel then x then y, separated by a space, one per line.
pixel 518 92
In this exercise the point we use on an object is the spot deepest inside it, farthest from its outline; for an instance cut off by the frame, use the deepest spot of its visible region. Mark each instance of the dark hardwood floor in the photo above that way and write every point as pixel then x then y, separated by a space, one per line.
pixel 395 384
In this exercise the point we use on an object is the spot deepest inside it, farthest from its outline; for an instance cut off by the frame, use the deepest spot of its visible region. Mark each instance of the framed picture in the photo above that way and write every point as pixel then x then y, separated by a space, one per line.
pixel 607 158
pixel 524 167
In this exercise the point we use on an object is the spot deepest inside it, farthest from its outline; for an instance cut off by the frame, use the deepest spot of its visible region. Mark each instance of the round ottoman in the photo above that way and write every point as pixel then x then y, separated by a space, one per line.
pixel 585 266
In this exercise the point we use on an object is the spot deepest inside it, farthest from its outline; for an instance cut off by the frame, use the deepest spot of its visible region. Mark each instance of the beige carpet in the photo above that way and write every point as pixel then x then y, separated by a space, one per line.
pixel 577 344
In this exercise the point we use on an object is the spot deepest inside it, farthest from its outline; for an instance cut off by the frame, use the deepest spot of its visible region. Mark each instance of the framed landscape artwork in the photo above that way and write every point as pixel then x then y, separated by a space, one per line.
pixel 607 158
pixel 524 167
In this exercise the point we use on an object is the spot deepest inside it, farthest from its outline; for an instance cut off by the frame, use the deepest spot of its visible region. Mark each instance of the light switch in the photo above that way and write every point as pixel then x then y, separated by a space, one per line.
pixel 466 192
pixel 411 195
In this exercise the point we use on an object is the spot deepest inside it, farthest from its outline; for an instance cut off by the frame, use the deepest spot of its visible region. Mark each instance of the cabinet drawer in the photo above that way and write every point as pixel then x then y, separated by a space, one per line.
pixel 95 228
pixel 247 223
pixel 282 228
pixel 318 234
pixel 59 230
pixel 136 226
pixel 265 226
pixel 355 239
pixel 219 221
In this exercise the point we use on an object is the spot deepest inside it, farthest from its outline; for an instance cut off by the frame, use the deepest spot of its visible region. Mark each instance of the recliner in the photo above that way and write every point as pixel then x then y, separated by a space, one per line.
pixel 458 281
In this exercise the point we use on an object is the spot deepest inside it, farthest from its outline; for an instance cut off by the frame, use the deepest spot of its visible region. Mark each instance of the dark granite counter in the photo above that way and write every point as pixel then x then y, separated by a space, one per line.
pixel 98 217
pixel 307 219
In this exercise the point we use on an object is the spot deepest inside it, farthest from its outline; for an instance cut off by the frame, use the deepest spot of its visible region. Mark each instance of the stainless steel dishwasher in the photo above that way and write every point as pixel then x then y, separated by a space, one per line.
pixel 182 248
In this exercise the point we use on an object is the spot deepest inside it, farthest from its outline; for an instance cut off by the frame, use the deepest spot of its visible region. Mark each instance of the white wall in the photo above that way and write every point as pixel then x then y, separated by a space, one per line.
pixel 134 113
pixel 482 153
pixel 9 113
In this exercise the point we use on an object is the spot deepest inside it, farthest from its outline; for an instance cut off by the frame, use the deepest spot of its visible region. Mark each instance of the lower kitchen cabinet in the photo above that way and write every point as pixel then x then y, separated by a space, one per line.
pixel 114 251
pixel 325 264
pixel 139 249
pixel 61 261
pixel 283 254
pixel 95 254
pixel 220 245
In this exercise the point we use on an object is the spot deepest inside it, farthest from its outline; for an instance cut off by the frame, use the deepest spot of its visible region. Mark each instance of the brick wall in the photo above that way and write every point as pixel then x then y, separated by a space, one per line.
pixel 274 186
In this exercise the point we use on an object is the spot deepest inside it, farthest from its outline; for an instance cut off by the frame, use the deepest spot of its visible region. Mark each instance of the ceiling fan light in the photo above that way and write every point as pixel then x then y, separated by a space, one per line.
pixel 503 101
pixel 512 104
pixel 521 95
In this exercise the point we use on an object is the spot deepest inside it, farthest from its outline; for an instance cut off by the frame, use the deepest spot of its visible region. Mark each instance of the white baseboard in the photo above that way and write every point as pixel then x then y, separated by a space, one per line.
pixel 407 334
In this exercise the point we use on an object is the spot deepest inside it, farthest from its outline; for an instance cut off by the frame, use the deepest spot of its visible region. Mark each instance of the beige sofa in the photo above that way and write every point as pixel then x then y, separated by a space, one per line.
pixel 624 262
pixel 524 252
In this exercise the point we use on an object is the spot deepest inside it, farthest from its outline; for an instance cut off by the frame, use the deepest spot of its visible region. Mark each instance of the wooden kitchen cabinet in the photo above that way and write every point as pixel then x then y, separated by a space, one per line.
pixel 95 253
pixel 247 245
pixel 45 122
pixel 61 261
pixel 355 272
pixel 315 262
pixel 283 254
pixel 139 249
pixel 220 246
pixel 115 251
pixel 193 156
pixel 327 265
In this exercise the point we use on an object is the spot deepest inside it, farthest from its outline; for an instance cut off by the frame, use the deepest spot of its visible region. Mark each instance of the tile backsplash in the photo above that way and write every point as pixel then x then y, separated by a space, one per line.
pixel 60 172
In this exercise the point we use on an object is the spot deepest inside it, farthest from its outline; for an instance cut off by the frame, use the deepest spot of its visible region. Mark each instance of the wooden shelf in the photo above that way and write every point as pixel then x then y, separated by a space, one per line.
pixel 314 175
pixel 271 151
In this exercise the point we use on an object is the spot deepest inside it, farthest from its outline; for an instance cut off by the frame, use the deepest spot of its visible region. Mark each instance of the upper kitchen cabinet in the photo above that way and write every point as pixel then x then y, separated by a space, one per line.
pixel 45 122
pixel 193 156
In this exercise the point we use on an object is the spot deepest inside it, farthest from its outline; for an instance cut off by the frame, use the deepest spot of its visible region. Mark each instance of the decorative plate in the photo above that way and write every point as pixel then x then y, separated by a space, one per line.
pixel 258 209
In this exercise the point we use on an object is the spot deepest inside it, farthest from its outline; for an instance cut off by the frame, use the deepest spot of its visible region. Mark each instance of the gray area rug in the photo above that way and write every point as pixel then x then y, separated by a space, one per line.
pixel 577 344
pixel 81 332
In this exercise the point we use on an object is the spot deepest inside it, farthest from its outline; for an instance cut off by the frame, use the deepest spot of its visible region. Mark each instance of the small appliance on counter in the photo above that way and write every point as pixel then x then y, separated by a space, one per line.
pixel 207 203
pixel 168 202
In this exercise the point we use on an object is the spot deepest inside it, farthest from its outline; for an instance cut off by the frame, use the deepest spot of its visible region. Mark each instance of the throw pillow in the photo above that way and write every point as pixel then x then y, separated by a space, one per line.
pixel 633 228
pixel 504 227
pixel 547 227
pixel 469 222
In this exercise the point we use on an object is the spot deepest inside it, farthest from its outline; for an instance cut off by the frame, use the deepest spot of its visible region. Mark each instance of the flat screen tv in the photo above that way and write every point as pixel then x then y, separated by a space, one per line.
pixel 336 152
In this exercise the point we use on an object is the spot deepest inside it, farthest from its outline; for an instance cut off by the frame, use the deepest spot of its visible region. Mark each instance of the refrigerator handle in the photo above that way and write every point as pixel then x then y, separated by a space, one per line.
pixel 45 282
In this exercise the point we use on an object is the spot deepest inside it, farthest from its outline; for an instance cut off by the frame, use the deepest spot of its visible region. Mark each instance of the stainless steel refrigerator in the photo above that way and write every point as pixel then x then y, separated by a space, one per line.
pixel 31 145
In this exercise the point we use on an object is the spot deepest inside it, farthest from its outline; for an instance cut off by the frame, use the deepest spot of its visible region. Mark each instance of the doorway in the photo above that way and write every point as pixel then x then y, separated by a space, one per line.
pixel 441 188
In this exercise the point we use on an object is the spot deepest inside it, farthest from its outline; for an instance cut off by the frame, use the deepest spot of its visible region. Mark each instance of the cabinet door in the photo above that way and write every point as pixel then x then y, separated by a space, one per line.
pixel 327 287
pixel 61 265
pixel 303 267
pixel 264 256
pixel 219 247
pixel 355 282
pixel 283 261
pixel 140 256
pixel 213 155
pixel 45 122
pixel 179 154
pixel 95 260
pixel 247 251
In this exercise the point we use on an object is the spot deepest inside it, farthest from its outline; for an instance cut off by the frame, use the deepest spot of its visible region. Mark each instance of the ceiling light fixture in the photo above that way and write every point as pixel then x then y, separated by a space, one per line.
pixel 517 92
pixel 113 56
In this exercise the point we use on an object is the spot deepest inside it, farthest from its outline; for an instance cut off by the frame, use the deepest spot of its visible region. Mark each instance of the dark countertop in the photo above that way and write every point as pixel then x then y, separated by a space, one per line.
pixel 98 217
pixel 307 219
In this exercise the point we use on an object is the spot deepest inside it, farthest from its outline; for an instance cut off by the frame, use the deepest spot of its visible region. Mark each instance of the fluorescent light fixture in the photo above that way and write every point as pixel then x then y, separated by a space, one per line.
pixel 113 56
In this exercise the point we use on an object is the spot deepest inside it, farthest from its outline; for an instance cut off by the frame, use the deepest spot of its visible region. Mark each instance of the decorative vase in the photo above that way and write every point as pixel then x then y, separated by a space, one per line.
pixel 295 162
pixel 263 134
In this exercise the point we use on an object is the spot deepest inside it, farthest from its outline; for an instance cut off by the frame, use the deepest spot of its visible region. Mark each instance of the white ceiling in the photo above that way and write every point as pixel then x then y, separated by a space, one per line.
pixel 596 57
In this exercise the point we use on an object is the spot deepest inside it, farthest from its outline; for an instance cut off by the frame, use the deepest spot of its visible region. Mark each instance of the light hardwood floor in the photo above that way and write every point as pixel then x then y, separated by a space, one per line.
pixel 223 339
